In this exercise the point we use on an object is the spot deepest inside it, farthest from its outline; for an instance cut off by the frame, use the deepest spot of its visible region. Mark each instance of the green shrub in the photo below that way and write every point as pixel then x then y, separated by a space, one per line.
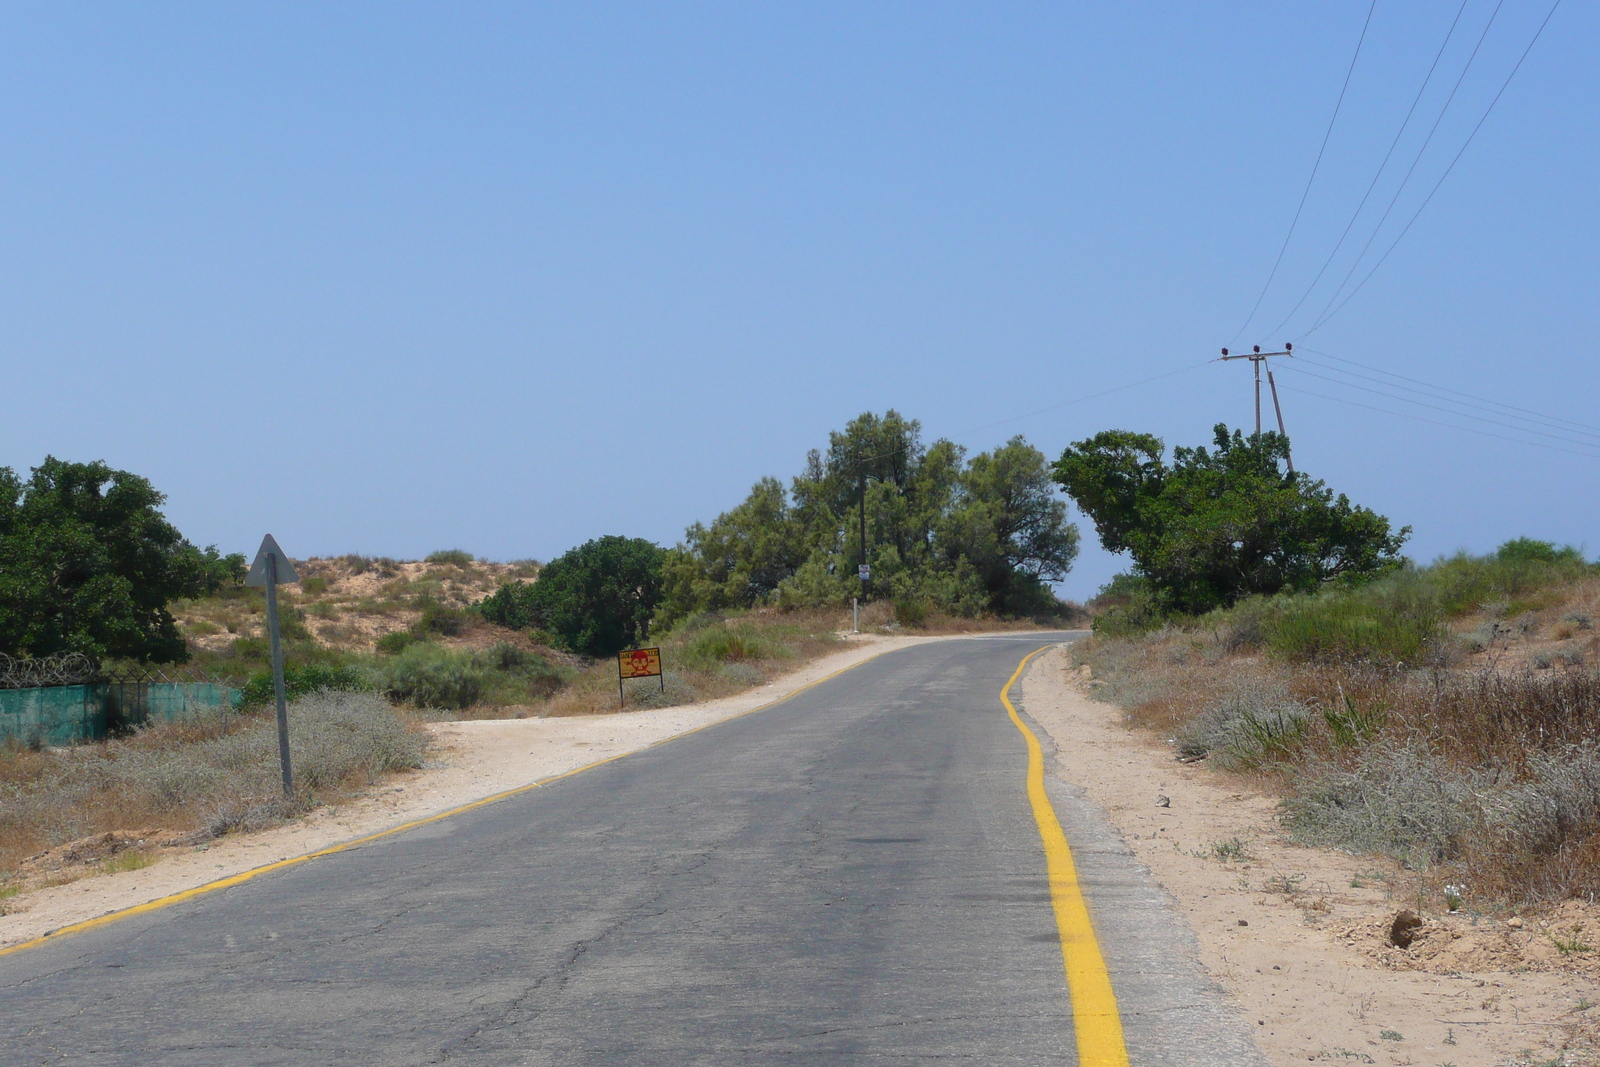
pixel 292 624
pixel 512 606
pixel 439 618
pixel 300 679
pixel 250 648
pixel 1393 624
pixel 393 643
pixel 313 586
pixel 451 555
pixel 713 647
pixel 912 612
pixel 431 677
pixel 515 674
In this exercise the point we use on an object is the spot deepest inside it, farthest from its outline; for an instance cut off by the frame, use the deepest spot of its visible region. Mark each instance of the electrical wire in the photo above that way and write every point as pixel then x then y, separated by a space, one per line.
pixel 1457 392
pixel 1379 173
pixel 1435 422
pixel 1436 407
pixel 1543 421
pixel 1429 198
pixel 1314 167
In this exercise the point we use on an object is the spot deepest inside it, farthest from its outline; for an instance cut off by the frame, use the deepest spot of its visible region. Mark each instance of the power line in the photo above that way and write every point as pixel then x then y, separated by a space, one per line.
pixel 1314 166
pixel 1457 392
pixel 1447 425
pixel 1447 411
pixel 1406 180
pixel 1379 173
pixel 1427 200
pixel 1537 420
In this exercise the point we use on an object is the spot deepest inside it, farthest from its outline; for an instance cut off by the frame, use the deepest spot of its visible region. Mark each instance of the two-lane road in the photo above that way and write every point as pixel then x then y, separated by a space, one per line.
pixel 853 875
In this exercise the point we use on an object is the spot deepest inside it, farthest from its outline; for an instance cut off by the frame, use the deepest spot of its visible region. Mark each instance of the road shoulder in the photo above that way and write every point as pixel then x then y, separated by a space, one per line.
pixel 1297 936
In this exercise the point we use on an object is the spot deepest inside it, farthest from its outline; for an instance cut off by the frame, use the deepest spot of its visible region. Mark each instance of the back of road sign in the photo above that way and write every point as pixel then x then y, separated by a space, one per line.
pixel 258 569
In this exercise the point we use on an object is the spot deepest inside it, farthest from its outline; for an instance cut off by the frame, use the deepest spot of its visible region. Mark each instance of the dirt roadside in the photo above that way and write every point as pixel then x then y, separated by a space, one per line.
pixel 1301 937
pixel 468 761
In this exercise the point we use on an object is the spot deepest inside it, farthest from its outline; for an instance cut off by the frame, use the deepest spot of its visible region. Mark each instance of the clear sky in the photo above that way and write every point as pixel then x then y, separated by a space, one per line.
pixel 393 277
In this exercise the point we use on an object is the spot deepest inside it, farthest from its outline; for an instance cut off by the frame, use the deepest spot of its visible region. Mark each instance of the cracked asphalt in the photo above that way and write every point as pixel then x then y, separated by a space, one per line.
pixel 850 876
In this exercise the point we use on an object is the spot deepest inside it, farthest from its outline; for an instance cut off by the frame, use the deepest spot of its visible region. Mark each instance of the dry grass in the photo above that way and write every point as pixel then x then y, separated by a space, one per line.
pixel 200 778
pixel 1484 773
pixel 708 657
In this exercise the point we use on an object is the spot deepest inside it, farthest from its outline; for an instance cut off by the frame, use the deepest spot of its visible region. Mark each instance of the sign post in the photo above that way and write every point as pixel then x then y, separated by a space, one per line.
pixel 639 663
pixel 271 566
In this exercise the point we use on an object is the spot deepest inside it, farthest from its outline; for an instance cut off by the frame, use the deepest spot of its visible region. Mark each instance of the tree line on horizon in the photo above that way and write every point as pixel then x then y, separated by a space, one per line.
pixel 88 563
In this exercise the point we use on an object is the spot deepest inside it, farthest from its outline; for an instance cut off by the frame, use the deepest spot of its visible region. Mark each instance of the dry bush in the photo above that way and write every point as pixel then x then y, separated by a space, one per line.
pixel 706 657
pixel 210 775
pixel 1483 777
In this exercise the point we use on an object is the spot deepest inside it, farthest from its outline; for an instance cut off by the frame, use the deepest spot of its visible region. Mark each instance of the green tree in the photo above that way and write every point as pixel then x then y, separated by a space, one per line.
pixel 596 599
pixel 989 535
pixel 1016 529
pixel 739 559
pixel 88 564
pixel 1222 524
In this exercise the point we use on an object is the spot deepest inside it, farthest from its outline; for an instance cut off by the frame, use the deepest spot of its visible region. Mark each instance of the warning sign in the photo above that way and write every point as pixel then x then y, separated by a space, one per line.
pixel 639 663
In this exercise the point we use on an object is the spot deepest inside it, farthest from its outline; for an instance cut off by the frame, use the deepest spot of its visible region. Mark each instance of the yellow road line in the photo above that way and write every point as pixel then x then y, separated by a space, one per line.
pixel 1094 1004
pixel 245 876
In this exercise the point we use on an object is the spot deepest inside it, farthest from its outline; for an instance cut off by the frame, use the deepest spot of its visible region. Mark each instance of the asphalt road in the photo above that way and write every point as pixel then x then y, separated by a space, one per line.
pixel 853 876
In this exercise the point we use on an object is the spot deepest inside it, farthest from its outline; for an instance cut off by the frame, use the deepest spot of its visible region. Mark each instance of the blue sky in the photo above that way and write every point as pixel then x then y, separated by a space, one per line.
pixel 392 278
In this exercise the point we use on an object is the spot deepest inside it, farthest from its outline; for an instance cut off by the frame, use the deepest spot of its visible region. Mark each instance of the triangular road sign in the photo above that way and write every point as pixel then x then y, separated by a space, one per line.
pixel 258 569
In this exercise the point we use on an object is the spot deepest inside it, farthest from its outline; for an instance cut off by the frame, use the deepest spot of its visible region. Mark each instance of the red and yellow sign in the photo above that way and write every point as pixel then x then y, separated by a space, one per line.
pixel 639 663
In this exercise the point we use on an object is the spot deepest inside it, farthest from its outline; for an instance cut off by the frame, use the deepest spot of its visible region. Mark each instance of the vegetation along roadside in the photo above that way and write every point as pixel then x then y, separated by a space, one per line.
pixel 374 645
pixel 1440 715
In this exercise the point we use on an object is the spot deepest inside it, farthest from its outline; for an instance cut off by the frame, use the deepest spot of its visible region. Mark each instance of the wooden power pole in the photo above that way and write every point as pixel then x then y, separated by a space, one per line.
pixel 1257 358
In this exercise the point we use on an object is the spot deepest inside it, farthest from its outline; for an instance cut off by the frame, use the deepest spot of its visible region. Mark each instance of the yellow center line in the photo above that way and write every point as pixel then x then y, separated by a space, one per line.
pixel 1094 1005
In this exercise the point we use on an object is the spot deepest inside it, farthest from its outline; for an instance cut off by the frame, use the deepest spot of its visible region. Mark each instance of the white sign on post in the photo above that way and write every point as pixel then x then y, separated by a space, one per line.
pixel 864 572
pixel 271 567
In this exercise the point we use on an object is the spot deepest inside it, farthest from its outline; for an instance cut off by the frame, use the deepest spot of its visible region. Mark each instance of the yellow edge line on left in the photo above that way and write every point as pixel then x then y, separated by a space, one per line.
pixel 245 876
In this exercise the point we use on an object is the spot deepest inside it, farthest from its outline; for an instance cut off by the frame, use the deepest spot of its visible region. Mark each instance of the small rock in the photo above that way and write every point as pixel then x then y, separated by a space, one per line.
pixel 1244 922
pixel 1404 929
pixel 1515 922
pixel 1163 801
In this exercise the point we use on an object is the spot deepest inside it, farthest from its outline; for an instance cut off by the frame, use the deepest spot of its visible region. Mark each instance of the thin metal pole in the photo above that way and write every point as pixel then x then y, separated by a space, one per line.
pixel 277 673
pixel 1273 385
pixel 862 471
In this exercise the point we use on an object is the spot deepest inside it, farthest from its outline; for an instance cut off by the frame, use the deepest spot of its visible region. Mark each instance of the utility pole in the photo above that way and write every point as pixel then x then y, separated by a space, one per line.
pixel 1257 358
pixel 865 570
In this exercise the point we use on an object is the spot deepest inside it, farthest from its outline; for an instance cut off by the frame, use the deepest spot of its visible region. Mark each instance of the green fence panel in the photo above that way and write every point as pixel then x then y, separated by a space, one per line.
pixel 67 714
pixel 59 715
pixel 178 701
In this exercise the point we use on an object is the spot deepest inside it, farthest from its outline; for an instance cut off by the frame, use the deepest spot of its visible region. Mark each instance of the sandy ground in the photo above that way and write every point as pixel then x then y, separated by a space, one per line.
pixel 1301 936
pixel 469 761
